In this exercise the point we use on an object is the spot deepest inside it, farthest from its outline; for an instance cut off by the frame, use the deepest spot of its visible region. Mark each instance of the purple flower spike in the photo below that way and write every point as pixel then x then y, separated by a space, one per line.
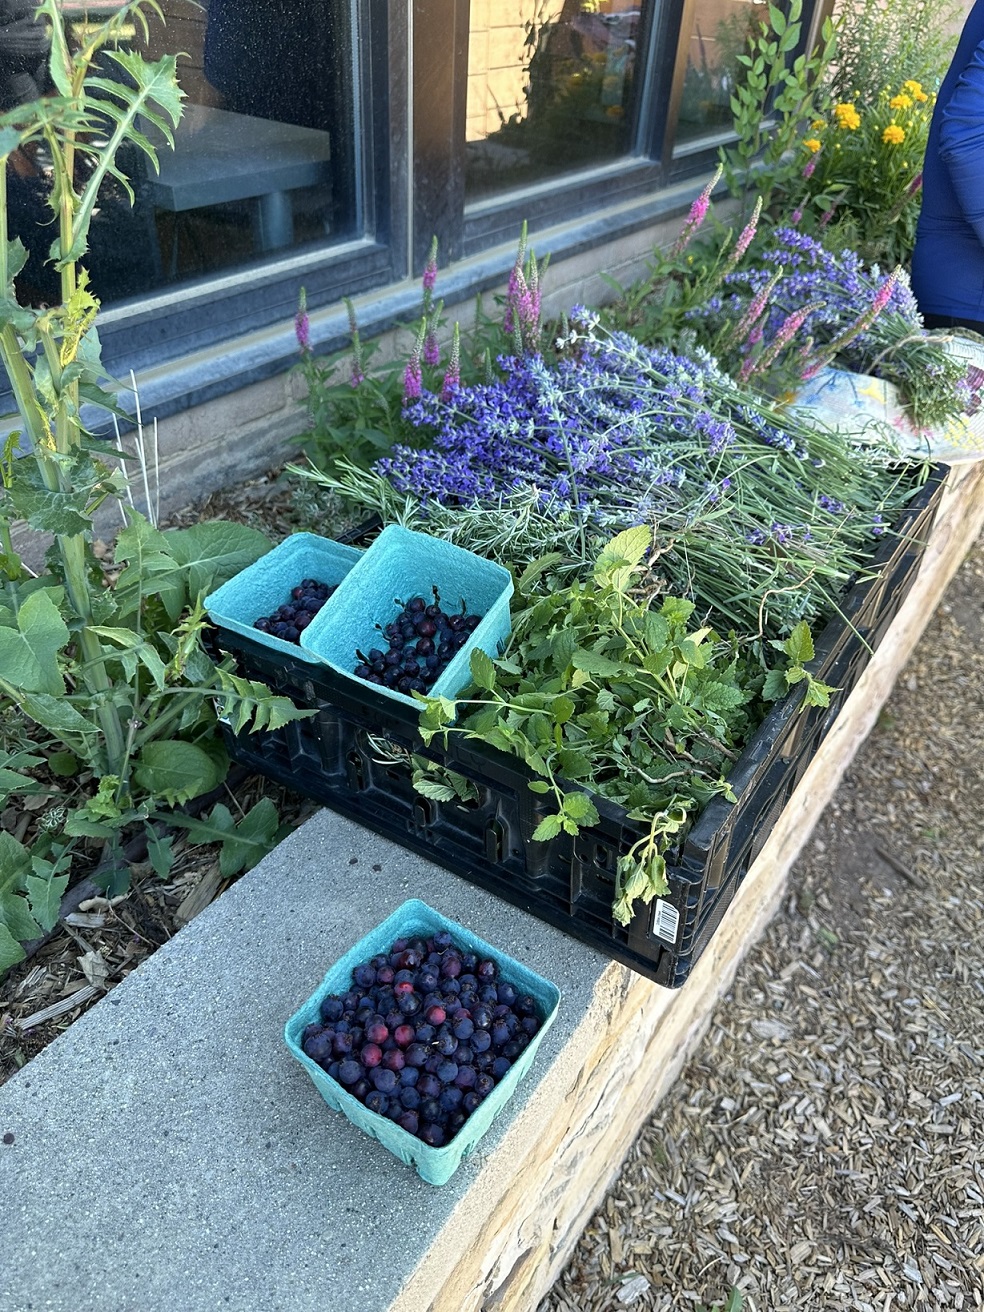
pixel 430 269
pixel 697 215
pixel 452 379
pixel 432 350
pixel 413 384
pixel 302 324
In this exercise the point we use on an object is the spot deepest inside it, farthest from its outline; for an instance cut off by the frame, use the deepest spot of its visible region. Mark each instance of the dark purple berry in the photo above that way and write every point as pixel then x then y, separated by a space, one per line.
pixel 349 1071
pixel 377 1102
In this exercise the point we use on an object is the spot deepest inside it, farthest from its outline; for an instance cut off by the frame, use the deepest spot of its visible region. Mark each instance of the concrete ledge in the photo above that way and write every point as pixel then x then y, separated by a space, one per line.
pixel 169 1156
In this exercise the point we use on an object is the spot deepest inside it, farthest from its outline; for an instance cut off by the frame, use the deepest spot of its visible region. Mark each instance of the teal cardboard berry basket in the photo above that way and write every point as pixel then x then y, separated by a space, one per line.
pixel 267 583
pixel 414 919
pixel 401 564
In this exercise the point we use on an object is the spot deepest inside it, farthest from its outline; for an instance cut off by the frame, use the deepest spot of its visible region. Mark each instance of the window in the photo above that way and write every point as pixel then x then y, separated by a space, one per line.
pixel 718 35
pixel 266 156
pixel 550 90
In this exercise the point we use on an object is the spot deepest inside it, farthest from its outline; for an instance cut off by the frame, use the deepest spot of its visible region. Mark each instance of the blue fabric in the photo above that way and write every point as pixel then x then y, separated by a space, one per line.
pixel 948 260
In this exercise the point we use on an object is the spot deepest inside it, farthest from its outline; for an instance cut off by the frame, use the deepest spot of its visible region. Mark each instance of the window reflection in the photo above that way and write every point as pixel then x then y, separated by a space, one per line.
pixel 719 35
pixel 551 88
pixel 264 160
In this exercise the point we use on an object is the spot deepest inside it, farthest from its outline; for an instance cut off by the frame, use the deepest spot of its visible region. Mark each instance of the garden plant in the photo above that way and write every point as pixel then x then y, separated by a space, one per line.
pixel 106 697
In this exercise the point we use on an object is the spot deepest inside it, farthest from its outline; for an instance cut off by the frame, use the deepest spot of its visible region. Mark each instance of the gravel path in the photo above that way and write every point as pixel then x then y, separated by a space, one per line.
pixel 824 1150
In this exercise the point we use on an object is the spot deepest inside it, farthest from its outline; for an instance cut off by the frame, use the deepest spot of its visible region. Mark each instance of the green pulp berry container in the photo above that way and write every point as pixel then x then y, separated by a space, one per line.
pixel 414 919
pixel 401 564
pixel 266 584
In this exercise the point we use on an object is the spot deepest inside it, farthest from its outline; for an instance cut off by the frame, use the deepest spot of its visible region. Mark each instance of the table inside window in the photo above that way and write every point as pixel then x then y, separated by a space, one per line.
pixel 220 156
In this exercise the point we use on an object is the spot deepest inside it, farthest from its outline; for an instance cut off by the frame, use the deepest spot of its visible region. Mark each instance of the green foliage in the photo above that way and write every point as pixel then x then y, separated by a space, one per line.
pixel 860 180
pixel 735 1302
pixel 600 690
pixel 113 678
pixel 777 94
pixel 352 412
pixel 880 44
pixel 355 405
pixel 243 842
pixel 798 649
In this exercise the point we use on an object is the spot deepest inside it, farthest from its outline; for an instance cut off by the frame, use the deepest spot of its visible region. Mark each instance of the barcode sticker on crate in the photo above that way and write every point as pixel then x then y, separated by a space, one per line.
pixel 666 920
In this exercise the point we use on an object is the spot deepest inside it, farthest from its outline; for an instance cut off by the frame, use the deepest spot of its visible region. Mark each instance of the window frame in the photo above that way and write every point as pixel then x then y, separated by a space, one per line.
pixel 170 323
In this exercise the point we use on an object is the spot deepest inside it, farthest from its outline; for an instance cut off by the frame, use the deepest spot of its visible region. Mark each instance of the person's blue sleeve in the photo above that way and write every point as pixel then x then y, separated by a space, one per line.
pixel 962 141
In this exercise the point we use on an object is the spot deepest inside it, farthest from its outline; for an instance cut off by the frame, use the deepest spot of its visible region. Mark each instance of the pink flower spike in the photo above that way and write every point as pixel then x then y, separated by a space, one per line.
pixel 697 215
pixel 412 379
pixel 748 232
pixel 796 217
pixel 452 379
pixel 432 350
pixel 809 166
pixel 430 268
pixel 885 293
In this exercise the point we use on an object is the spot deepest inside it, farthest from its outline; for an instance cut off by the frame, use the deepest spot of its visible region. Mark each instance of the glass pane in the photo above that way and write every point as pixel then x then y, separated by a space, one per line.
pixel 264 159
pixel 719 35
pixel 551 88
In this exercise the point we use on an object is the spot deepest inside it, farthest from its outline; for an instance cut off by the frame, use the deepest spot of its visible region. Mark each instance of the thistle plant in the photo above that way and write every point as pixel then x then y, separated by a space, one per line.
pixel 113 679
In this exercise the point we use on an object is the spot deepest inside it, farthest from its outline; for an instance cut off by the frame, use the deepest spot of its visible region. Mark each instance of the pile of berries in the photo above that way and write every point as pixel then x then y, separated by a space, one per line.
pixel 288 620
pixel 424 1034
pixel 421 642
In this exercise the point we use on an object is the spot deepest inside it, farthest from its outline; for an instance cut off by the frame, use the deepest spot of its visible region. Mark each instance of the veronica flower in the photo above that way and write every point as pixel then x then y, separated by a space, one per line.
pixel 302 324
pixel 697 215
pixel 412 380
pixel 452 378
pixel 788 329
pixel 430 274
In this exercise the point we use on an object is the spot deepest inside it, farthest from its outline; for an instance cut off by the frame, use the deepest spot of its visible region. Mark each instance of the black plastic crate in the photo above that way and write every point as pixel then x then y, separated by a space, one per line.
pixel 354 756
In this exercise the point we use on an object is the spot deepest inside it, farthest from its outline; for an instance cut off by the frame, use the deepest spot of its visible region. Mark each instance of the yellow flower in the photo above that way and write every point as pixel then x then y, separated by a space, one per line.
pixel 900 102
pixel 893 135
pixel 812 145
pixel 817 125
pixel 915 90
pixel 847 116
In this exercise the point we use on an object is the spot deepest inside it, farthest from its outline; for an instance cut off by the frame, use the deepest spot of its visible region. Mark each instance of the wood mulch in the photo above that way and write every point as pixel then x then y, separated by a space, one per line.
pixel 823 1149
